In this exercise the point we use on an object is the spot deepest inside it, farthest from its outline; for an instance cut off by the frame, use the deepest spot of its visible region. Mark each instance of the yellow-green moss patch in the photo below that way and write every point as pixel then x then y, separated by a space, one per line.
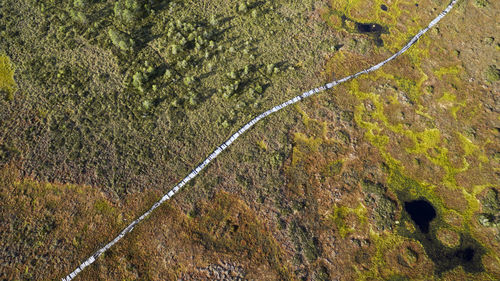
pixel 7 83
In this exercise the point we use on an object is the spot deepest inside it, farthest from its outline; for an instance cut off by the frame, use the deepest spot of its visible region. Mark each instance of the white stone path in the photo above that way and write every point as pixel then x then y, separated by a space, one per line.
pixel 247 126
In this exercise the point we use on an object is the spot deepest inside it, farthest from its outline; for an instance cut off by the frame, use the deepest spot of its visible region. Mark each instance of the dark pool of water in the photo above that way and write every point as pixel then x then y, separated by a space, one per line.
pixel 369 27
pixel 373 30
pixel 421 212
pixel 465 255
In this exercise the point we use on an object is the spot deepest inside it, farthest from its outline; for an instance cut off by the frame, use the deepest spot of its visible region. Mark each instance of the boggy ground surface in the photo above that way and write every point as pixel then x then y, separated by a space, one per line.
pixel 106 104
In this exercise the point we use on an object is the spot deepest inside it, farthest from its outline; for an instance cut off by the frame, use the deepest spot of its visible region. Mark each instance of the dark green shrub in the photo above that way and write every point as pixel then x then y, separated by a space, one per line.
pixel 242 8
pixel 246 70
pixel 258 89
pixel 182 64
pixel 214 21
pixel 79 3
pixel 176 49
pixel 270 68
pixel 168 74
pixel 138 79
pixel 188 80
pixel 183 41
pixel 146 104
pixel 192 101
pixel 232 75
pixel 127 11
pixel 120 39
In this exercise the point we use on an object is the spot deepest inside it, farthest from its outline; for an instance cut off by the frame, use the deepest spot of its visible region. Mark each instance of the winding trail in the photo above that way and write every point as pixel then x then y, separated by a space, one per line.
pixel 246 127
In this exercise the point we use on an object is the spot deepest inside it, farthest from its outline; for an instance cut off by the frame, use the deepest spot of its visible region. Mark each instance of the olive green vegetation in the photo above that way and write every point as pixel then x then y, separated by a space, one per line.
pixel 120 90
pixel 127 96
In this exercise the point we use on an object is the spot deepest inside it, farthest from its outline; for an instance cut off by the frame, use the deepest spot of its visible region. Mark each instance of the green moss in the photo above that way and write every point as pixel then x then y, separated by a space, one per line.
pixel 451 70
pixel 341 213
pixel 8 85
pixel 448 97
pixel 470 148
pixel 384 243
pixel 262 144
pixel 311 143
pixel 103 207
pixel 428 139
pixel 427 142
pixel 409 189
